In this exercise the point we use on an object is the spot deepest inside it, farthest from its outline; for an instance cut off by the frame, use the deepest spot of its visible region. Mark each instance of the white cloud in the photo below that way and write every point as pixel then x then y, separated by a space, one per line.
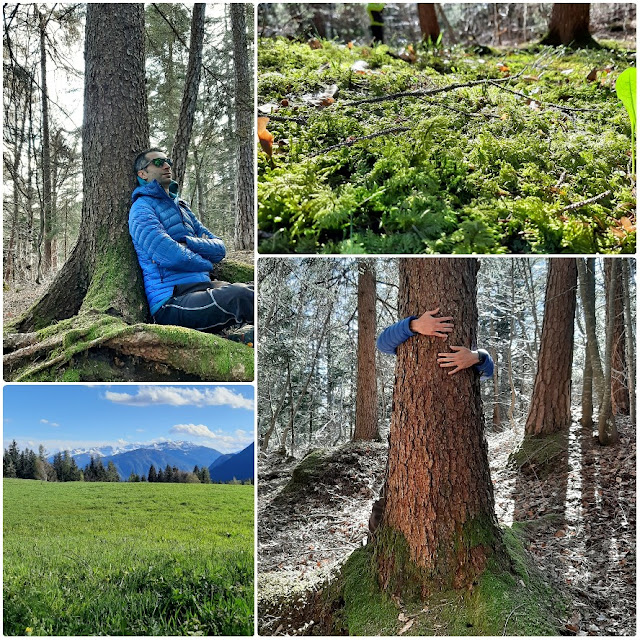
pixel 53 424
pixel 220 440
pixel 140 430
pixel 182 396
pixel 198 430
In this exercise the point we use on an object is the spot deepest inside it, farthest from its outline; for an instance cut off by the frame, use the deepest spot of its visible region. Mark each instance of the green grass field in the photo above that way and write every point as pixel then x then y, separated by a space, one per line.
pixel 127 559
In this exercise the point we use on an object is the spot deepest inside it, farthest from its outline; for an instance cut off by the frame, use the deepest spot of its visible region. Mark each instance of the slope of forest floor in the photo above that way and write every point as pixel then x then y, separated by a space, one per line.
pixel 579 521
pixel 432 150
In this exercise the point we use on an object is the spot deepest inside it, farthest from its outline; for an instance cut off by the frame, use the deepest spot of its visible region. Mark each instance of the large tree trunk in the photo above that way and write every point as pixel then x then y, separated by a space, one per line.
pixel 569 26
pixel 243 237
pixel 619 385
pixel 438 527
pixel 550 410
pixel 367 385
pixel 607 430
pixel 102 273
pixel 189 96
pixel 429 26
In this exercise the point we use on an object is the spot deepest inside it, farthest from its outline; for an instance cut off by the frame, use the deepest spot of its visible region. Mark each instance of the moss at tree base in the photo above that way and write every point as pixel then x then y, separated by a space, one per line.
pixel 542 455
pixel 501 602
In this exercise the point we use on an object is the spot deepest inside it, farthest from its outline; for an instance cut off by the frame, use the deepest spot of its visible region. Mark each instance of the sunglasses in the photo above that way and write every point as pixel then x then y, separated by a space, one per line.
pixel 159 162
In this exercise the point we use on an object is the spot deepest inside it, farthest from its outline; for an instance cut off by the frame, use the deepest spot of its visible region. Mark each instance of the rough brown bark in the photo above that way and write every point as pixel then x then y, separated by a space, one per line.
pixel 189 96
pixel 428 21
pixel 243 236
pixel 607 430
pixel 619 384
pixel 569 26
pixel 439 525
pixel 586 418
pixel 103 259
pixel 550 409
pixel 367 386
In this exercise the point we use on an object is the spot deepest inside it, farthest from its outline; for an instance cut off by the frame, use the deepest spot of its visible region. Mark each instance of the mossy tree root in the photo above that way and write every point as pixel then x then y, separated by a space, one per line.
pixel 46 353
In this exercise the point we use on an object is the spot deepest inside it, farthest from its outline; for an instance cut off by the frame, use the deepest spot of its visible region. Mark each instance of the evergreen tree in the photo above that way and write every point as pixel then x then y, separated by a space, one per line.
pixel 153 476
pixel 205 478
pixel 112 472
pixel 168 474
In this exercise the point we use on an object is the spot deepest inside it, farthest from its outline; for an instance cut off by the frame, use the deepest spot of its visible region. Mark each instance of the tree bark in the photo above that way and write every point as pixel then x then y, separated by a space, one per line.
pixel 550 410
pixel 569 26
pixel 586 418
pixel 631 356
pixel 587 280
pixel 47 211
pixel 619 385
pixel 190 95
pixel 607 430
pixel 102 273
pixel 244 222
pixel 428 21
pixel 367 386
pixel 438 527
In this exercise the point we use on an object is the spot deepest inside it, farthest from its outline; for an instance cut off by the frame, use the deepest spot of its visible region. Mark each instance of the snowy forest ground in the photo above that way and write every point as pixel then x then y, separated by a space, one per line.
pixel 579 521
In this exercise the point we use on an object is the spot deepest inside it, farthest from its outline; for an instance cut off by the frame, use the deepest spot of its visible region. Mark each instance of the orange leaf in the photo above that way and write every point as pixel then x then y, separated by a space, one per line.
pixel 627 225
pixel 314 43
pixel 349 45
pixel 265 137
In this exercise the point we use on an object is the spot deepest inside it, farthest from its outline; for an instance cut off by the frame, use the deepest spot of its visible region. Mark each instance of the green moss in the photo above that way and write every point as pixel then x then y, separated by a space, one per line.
pixel 481 179
pixel 309 468
pixel 517 601
pixel 543 455
pixel 233 271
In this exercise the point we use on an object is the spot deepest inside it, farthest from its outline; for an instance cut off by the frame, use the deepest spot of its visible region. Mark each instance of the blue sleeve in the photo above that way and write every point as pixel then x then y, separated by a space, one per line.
pixel 485 366
pixel 150 237
pixel 206 244
pixel 392 337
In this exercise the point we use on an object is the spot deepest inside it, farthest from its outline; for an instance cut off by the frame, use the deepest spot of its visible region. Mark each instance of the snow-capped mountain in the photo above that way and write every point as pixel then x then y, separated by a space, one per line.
pixel 137 458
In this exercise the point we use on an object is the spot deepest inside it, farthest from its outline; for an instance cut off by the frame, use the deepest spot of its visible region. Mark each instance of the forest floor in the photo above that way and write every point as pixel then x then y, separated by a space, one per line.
pixel 430 150
pixel 579 521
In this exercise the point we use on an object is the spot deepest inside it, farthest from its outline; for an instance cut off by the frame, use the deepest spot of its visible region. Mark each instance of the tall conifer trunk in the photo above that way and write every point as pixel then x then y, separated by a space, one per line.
pixel 439 526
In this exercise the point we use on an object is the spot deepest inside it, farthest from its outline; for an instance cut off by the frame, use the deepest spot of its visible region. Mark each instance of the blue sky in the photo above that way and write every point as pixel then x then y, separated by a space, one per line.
pixel 78 416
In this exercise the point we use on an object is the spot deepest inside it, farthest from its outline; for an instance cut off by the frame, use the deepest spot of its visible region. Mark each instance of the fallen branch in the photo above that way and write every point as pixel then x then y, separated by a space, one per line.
pixel 424 92
pixel 582 203
pixel 302 121
pixel 351 141
pixel 540 102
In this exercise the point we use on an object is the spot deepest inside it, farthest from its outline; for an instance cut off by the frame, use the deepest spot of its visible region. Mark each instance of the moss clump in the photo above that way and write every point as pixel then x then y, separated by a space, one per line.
pixel 233 271
pixel 514 601
pixel 542 455
pixel 309 470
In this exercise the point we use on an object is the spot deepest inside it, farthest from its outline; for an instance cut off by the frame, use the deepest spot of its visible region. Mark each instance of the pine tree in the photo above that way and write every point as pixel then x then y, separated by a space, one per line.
pixel 153 476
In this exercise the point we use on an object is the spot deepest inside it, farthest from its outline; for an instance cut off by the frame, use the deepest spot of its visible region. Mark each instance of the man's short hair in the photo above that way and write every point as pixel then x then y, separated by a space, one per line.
pixel 141 160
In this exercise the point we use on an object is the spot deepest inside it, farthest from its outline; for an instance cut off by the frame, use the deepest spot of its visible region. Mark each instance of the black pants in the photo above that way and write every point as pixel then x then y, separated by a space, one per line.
pixel 208 306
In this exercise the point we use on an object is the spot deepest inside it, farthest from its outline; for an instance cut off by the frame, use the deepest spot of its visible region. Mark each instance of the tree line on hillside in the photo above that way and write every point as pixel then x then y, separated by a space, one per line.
pixel 29 465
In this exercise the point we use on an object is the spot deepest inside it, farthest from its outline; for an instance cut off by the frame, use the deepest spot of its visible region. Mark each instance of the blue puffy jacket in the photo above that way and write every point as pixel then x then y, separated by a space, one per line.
pixel 392 337
pixel 157 224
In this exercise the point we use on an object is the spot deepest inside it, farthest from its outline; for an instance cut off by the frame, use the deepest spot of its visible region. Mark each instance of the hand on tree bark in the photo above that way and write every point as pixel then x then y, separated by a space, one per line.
pixel 427 325
pixel 462 358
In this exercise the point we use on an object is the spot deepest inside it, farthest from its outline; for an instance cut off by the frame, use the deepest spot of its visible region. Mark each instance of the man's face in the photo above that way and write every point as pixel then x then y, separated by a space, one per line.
pixel 151 172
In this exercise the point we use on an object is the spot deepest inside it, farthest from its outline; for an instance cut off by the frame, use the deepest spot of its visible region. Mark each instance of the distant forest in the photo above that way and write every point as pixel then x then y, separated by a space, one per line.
pixel 30 465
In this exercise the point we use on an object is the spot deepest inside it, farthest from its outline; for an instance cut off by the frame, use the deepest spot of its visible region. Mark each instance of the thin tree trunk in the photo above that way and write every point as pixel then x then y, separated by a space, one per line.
pixel 367 387
pixel 587 280
pixel 47 212
pixel 631 355
pixel 428 21
pixel 550 410
pixel 243 236
pixel 607 430
pixel 586 419
pixel 189 96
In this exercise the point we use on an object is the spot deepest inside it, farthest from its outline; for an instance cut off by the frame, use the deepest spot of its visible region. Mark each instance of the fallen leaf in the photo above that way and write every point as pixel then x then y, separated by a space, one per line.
pixel 402 617
pixel 265 137
pixel 593 75
pixel 349 45
pixel 314 43
pixel 360 66
pixel 560 533
pixel 627 225
pixel 406 627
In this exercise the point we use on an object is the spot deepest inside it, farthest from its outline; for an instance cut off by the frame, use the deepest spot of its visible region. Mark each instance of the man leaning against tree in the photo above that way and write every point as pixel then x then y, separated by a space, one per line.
pixel 177 252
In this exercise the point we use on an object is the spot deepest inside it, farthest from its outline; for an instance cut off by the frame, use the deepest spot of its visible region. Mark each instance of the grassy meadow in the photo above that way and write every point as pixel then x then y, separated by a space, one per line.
pixel 127 559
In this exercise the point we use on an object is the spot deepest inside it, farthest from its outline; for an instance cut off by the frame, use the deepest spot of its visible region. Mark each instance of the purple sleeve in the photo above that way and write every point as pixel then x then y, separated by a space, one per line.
pixel 392 337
